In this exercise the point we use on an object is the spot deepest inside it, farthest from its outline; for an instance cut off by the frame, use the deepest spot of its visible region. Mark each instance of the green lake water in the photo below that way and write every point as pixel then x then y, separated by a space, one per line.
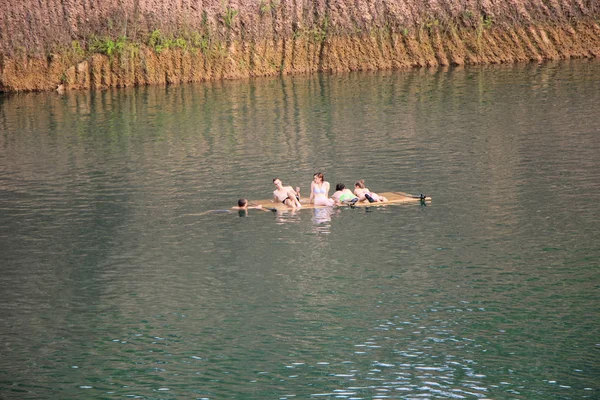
pixel 125 274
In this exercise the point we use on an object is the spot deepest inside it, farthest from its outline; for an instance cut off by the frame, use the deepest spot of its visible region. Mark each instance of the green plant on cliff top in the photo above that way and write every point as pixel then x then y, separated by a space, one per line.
pixel 107 45
pixel 180 43
pixel 76 48
pixel 157 41
pixel 229 16
pixel 266 6
pixel 318 34
pixel 200 41
pixel 192 39
pixel 431 23
pixel 486 21
pixel 320 31
pixel 297 34
pixel 69 54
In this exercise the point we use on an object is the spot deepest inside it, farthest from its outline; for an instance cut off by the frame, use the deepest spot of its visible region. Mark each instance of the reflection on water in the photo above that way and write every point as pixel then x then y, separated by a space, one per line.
pixel 322 219
pixel 119 278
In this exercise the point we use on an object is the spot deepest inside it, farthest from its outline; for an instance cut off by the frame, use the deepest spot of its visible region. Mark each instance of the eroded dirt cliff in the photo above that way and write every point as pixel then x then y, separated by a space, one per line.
pixel 81 44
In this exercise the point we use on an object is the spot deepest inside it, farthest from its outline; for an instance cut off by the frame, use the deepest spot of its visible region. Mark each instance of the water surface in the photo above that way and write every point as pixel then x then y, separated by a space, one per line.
pixel 118 280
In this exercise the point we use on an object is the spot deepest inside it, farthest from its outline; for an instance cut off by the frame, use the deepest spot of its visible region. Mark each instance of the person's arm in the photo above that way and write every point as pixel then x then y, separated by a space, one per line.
pixel 290 191
pixel 326 189
pixel 336 197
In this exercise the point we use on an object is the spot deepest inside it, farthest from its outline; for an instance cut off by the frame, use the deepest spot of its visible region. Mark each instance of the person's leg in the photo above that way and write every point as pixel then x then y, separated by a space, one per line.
pixel 296 198
pixel 378 197
pixel 361 196
pixel 323 201
pixel 292 198
pixel 370 197
pixel 290 202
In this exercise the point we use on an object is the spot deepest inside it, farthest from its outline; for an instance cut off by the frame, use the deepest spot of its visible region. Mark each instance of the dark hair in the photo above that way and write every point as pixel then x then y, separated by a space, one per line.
pixel 320 176
pixel 340 186
pixel 242 202
pixel 274 179
pixel 360 184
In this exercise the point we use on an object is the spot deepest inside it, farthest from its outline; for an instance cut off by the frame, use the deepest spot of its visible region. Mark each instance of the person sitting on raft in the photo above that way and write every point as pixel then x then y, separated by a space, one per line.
pixel 319 191
pixel 342 195
pixel 364 193
pixel 286 194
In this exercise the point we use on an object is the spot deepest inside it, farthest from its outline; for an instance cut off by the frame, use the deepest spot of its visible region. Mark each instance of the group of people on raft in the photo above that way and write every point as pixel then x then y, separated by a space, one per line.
pixel 319 194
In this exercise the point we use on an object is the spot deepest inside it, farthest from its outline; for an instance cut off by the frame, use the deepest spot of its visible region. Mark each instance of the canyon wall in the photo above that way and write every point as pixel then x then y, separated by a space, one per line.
pixel 85 44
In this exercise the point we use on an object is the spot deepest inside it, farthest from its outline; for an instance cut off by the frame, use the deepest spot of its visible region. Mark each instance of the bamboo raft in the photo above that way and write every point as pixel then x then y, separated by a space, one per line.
pixel 393 198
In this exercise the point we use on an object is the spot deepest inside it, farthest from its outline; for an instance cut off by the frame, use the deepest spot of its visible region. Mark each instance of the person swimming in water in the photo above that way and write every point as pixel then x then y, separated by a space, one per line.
pixel 319 191
pixel 286 194
pixel 242 204
pixel 364 193
pixel 342 195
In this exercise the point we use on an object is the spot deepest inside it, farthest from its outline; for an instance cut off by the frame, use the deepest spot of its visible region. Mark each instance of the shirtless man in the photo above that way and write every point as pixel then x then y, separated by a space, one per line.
pixel 286 194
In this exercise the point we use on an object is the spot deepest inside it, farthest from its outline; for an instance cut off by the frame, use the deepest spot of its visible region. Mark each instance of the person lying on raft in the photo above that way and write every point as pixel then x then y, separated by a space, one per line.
pixel 319 191
pixel 364 193
pixel 286 194
pixel 243 205
pixel 342 195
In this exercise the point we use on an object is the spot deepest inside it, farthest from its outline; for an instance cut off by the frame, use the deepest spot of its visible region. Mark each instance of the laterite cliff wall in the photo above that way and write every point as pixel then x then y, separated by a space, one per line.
pixel 83 44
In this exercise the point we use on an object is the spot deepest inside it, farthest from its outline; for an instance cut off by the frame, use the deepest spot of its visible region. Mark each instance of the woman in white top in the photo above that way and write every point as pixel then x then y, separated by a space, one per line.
pixel 319 191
